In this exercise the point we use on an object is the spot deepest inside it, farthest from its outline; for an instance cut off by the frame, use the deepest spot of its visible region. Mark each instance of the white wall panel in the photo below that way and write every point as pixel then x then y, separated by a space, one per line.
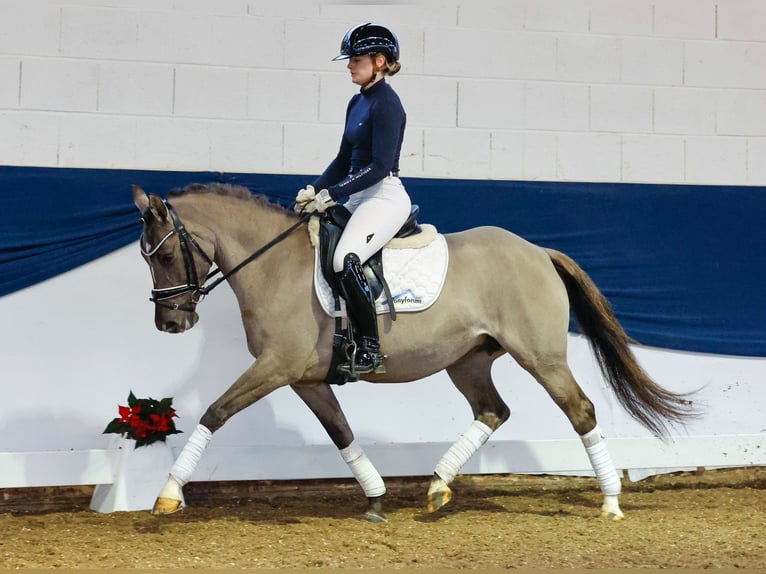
pixel 175 37
pixel 482 54
pixel 207 92
pixel 621 17
pixel 493 14
pixel 685 18
pixel 136 88
pixel 718 160
pixel 725 64
pixel 615 108
pixel 497 68
pixel 172 143
pixel 309 148
pixel 540 155
pixel 246 41
pixel 9 82
pixel 278 95
pixel 583 58
pixel 555 106
pixel 29 29
pixel 456 152
pixel 246 146
pixel 86 140
pixel 93 32
pixel 439 109
pixel 652 61
pixel 506 151
pixel 741 20
pixel 756 164
pixel 742 112
pixel 653 158
pixel 61 85
pixel 555 16
pixel 588 157
pixel 491 105
pixel 689 111
pixel 29 138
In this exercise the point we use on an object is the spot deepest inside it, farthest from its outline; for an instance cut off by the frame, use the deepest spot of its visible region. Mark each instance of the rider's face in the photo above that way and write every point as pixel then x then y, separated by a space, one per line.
pixel 360 68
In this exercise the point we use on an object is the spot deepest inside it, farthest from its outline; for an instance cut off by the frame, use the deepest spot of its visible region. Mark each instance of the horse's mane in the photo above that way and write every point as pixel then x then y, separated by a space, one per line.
pixel 230 190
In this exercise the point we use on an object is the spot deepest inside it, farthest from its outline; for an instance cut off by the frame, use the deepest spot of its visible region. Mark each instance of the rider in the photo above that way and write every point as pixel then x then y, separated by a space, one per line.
pixel 365 173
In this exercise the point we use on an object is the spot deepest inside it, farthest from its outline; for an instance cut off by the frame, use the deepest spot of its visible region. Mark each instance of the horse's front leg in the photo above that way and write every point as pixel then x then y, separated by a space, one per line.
pixel 259 380
pixel 321 399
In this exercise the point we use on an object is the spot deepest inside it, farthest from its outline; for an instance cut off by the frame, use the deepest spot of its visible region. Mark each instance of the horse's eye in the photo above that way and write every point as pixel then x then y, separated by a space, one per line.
pixel 165 258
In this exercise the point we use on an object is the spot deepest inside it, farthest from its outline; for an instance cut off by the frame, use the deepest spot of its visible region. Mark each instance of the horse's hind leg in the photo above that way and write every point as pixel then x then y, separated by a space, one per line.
pixel 556 377
pixel 472 377
pixel 322 401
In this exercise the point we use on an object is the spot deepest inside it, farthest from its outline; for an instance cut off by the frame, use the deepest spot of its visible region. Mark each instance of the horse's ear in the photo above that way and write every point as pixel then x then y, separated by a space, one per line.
pixel 140 199
pixel 158 207
pixel 152 203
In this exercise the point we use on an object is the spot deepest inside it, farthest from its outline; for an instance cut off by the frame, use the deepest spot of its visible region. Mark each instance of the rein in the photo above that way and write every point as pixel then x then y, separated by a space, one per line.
pixel 185 239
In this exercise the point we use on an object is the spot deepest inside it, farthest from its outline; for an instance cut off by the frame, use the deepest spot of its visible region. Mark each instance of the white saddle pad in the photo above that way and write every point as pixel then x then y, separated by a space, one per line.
pixel 415 277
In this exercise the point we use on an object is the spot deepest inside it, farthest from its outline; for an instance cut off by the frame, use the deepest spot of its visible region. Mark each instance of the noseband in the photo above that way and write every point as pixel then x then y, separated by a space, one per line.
pixel 193 286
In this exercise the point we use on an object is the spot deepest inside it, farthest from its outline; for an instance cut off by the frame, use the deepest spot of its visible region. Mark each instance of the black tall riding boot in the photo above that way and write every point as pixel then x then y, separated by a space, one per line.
pixel 364 320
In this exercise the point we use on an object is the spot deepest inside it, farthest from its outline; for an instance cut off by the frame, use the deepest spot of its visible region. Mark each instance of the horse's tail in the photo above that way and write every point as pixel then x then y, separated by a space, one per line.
pixel 646 401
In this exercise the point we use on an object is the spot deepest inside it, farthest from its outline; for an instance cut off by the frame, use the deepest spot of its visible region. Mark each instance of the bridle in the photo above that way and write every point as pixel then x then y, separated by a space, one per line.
pixel 188 244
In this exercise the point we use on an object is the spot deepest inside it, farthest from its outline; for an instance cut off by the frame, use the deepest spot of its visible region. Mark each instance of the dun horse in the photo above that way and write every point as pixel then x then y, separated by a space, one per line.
pixel 501 295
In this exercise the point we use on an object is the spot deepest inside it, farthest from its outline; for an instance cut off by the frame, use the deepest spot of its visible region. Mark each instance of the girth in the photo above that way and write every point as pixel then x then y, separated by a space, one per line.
pixel 331 226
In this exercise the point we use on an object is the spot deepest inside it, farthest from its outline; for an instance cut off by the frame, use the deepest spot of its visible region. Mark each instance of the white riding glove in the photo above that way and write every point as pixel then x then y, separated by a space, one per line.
pixel 304 197
pixel 321 202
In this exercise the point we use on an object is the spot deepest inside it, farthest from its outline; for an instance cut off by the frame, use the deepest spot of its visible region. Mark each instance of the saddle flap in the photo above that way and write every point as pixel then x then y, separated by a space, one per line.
pixel 331 227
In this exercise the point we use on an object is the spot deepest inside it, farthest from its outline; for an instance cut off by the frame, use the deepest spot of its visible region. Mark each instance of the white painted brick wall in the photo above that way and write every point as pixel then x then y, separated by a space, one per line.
pixel 208 92
pixel 595 90
pixel 136 88
pixel 9 82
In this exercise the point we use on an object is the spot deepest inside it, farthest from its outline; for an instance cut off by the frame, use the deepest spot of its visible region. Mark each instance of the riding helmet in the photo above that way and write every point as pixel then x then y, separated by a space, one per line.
pixel 369 39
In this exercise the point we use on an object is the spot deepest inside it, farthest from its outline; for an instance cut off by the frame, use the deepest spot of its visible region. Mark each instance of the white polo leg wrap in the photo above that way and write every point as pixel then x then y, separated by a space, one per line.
pixel 602 464
pixel 190 455
pixel 363 470
pixel 463 449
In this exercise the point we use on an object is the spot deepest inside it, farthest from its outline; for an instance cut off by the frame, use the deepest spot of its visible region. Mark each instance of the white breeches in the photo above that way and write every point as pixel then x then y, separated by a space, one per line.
pixel 377 213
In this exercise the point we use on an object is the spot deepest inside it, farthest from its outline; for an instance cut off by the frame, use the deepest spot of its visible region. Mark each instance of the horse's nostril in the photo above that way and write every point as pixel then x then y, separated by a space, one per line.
pixel 171 327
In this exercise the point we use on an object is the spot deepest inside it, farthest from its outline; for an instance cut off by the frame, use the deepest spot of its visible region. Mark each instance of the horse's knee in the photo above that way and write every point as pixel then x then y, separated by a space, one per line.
pixel 214 418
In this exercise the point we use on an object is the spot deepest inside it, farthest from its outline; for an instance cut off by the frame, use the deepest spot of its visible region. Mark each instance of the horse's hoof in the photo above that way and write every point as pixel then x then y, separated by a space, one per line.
pixel 375 517
pixel 612 516
pixel 166 506
pixel 439 494
pixel 611 509
pixel 436 500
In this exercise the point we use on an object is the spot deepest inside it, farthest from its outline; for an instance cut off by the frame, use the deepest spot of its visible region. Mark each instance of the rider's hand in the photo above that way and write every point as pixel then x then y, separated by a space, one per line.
pixel 321 202
pixel 304 197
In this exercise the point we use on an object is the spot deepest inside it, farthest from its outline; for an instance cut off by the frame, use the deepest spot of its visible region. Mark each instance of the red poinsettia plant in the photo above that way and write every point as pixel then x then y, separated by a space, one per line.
pixel 145 420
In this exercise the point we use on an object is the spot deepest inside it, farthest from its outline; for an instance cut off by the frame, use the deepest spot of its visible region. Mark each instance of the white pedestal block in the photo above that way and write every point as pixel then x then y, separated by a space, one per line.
pixel 139 475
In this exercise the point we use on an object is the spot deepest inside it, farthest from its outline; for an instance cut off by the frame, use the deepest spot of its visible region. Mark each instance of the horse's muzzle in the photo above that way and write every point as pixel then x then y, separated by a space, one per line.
pixel 175 321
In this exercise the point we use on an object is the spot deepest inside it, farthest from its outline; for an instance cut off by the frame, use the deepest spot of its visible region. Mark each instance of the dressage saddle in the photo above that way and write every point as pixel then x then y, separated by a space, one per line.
pixel 331 226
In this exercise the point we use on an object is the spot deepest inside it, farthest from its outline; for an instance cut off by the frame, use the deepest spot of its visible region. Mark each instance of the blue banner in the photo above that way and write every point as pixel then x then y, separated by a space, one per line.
pixel 683 266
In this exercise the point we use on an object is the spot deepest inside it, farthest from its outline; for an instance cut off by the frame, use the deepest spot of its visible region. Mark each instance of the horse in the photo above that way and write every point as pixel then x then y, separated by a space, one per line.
pixel 501 295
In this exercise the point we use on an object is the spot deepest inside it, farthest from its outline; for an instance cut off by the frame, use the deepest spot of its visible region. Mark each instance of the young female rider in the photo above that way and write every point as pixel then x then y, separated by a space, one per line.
pixel 365 174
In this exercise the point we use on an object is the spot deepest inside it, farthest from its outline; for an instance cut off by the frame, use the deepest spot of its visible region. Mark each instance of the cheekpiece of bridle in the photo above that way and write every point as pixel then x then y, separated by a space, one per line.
pixel 193 286
pixel 186 241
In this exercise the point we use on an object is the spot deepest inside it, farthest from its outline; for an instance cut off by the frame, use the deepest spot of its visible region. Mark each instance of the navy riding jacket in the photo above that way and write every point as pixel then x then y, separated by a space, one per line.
pixel 371 144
